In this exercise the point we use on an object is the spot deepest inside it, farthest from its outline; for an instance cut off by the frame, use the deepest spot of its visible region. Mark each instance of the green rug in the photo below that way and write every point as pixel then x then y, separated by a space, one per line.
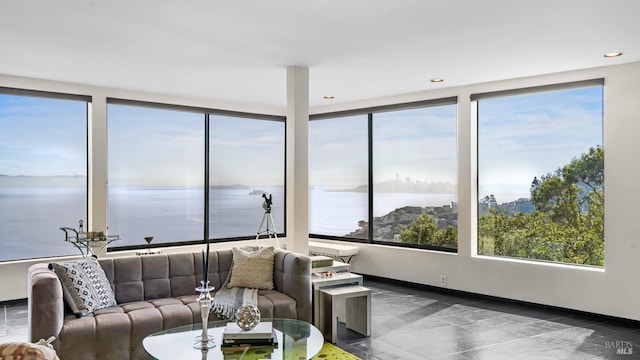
pixel 332 352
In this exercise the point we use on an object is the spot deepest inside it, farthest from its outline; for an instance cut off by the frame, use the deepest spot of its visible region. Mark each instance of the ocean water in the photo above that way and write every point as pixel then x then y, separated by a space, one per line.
pixel 176 214
pixel 31 217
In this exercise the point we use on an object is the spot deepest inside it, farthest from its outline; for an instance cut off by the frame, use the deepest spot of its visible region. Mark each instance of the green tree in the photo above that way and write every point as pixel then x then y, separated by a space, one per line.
pixel 573 188
pixel 421 231
pixel 447 237
pixel 424 231
pixel 567 224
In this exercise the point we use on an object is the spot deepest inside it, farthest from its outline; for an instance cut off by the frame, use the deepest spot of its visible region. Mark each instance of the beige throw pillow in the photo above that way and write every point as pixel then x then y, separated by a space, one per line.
pixel 252 268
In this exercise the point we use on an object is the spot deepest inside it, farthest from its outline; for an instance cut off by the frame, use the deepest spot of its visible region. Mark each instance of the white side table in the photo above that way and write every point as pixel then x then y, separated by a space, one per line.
pixel 319 282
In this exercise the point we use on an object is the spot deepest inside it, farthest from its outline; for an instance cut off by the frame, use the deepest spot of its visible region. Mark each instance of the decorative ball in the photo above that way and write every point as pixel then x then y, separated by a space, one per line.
pixel 247 317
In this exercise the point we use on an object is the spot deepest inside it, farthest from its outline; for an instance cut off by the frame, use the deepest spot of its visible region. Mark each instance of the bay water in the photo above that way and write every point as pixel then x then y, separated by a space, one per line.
pixel 31 217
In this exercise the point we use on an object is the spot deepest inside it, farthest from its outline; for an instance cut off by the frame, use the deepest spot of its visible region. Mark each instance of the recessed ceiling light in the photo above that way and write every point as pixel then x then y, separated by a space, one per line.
pixel 437 80
pixel 328 97
pixel 612 54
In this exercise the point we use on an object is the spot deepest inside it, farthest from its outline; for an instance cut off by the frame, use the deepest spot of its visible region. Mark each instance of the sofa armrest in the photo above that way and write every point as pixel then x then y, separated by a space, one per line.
pixel 45 303
pixel 292 276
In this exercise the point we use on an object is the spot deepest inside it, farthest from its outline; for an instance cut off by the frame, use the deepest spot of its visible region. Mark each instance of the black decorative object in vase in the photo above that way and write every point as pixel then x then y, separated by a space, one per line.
pixel 204 341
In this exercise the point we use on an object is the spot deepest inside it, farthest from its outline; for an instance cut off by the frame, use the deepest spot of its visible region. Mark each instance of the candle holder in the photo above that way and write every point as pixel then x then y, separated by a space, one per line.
pixel 204 341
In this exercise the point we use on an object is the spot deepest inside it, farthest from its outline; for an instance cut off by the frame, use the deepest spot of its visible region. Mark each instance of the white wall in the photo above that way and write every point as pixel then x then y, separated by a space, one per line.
pixel 614 290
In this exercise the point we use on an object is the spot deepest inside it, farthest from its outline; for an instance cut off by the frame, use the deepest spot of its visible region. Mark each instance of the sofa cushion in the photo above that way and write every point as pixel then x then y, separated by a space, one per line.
pixel 84 284
pixel 252 268
pixel 274 304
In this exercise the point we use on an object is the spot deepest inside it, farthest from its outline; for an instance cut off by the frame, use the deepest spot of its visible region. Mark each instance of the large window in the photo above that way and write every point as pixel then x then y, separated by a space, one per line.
pixel 338 192
pixel 247 167
pixel 415 191
pixel 394 167
pixel 156 174
pixel 43 172
pixel 541 174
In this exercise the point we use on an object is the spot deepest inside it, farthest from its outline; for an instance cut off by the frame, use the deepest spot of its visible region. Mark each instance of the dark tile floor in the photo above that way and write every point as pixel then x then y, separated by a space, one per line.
pixel 13 321
pixel 411 322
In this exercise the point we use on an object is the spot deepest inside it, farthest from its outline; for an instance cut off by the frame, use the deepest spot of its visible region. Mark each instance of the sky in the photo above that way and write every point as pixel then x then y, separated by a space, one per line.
pixel 527 136
pixel 420 144
pixel 338 152
pixel 155 147
pixel 35 130
pixel 519 137
pixel 146 147
pixel 417 143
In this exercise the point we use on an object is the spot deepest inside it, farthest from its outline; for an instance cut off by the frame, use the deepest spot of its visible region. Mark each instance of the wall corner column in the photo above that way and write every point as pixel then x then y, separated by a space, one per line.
pixel 97 169
pixel 297 165
pixel 467 171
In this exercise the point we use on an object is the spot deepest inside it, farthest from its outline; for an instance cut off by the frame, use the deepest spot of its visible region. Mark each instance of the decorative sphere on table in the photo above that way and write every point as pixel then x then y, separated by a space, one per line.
pixel 247 317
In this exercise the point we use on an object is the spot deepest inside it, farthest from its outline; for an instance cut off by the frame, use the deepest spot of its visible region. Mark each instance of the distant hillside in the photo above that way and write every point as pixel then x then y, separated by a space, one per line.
pixel 387 227
pixel 522 205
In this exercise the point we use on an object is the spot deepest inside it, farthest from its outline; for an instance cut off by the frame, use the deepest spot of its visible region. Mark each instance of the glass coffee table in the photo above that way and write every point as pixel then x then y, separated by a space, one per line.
pixel 297 339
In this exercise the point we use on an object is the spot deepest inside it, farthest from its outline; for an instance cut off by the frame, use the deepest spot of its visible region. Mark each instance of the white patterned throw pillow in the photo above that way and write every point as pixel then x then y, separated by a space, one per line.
pixel 85 285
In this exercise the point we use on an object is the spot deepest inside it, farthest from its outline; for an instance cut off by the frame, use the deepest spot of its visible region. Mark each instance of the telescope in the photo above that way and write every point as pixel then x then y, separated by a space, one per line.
pixel 267 203
pixel 267 220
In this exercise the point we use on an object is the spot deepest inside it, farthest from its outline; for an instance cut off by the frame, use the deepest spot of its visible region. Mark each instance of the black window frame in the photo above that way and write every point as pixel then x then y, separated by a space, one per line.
pixel 370 112
pixel 206 113
pixel 53 95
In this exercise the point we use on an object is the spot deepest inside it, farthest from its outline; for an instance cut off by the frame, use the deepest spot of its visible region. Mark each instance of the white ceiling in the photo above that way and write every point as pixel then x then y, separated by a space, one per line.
pixel 237 51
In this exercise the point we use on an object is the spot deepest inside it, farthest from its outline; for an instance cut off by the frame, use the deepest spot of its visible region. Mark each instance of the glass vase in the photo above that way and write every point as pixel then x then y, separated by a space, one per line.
pixel 204 340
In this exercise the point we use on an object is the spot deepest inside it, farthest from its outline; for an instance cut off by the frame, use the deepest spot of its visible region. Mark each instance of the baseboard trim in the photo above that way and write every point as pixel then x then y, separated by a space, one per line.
pixel 13 302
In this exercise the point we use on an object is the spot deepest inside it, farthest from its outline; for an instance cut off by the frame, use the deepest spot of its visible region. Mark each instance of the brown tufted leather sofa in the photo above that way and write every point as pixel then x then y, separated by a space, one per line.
pixel 153 292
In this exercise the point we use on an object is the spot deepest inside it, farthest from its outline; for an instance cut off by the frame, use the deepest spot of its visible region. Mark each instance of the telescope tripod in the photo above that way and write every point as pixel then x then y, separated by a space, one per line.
pixel 270 229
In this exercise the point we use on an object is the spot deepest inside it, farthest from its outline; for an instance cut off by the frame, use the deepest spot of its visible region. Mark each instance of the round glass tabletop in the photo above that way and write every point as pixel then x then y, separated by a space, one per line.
pixel 297 339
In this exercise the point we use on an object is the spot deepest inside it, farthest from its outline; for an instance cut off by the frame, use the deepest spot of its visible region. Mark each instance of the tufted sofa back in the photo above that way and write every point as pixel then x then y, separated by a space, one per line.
pixel 163 276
